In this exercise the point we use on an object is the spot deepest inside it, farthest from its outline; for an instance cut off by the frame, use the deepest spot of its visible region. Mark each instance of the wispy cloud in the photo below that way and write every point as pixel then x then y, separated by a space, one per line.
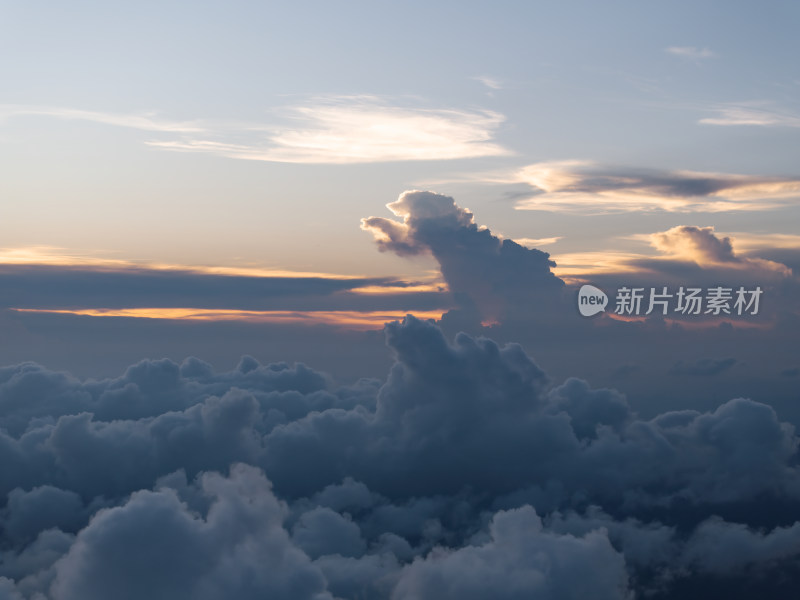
pixel 54 256
pixel 691 52
pixel 759 114
pixel 536 242
pixel 588 187
pixel 331 129
pixel 489 82
pixel 361 129
pixel 147 121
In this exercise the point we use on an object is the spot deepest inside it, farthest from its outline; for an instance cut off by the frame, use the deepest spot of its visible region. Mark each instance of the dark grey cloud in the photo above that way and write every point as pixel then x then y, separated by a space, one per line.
pixel 520 560
pixel 590 187
pixel 48 287
pixel 704 367
pixel 468 472
pixel 152 546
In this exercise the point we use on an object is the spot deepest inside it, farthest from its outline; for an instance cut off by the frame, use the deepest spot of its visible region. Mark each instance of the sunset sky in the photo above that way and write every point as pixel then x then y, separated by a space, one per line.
pixel 294 300
pixel 259 134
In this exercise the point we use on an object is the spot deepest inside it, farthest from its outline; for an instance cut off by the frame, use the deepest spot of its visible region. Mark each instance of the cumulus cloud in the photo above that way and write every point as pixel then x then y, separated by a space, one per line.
pixel 467 473
pixel 480 268
pixel 585 186
pixel 703 246
pixel 153 546
pixel 520 560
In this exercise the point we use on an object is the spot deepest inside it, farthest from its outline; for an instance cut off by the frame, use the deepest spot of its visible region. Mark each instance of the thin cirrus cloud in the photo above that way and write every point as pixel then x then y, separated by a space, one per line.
pixel 489 82
pixel 589 187
pixel 360 129
pixel 752 114
pixel 692 52
pixel 148 121
pixel 323 130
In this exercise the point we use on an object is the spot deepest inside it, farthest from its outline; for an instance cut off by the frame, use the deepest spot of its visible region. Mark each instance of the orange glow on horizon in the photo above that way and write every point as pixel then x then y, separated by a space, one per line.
pixel 346 319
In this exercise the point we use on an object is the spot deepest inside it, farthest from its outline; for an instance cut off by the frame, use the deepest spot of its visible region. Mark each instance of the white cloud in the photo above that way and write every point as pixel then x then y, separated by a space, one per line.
pixel 331 129
pixel 537 242
pixel 490 82
pixel 690 52
pixel 367 129
pixel 147 121
pixel 758 114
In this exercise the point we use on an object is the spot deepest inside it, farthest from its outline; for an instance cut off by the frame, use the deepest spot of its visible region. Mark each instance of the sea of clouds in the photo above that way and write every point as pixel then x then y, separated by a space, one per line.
pixel 466 473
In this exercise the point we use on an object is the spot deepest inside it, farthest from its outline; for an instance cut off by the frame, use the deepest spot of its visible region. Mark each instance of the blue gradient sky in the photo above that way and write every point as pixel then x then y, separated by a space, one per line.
pixel 180 133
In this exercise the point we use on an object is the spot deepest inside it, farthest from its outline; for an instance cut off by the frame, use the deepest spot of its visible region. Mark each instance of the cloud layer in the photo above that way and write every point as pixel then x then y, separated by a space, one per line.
pixel 468 473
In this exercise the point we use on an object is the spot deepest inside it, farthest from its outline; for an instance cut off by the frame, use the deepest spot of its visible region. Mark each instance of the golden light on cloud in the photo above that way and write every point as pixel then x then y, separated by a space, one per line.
pixel 588 187
pixel 437 286
pixel 61 257
pixel 357 129
pixel 574 265
pixel 345 319
pixel 323 130
pixel 537 242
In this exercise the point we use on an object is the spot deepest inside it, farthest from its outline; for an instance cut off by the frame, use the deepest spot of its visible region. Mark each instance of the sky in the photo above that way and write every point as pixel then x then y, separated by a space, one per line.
pixel 304 285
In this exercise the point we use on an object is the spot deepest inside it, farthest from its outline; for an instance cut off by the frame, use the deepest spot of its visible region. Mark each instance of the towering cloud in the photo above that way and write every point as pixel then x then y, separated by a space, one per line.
pixel 482 270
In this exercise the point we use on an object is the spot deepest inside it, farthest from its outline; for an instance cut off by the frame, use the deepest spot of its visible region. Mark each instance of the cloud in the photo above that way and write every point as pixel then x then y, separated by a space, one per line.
pixel 686 249
pixel 695 243
pixel 754 114
pixel 160 292
pixel 468 472
pixel 702 246
pixel 587 187
pixel 360 129
pixel 489 82
pixel 148 121
pixel 520 560
pixel 153 546
pixel 536 242
pixel 483 270
pixel 690 52
pixel 322 130
pixel 703 367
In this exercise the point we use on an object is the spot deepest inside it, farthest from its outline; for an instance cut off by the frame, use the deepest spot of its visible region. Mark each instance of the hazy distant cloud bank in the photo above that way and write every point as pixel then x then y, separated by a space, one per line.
pixel 467 473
